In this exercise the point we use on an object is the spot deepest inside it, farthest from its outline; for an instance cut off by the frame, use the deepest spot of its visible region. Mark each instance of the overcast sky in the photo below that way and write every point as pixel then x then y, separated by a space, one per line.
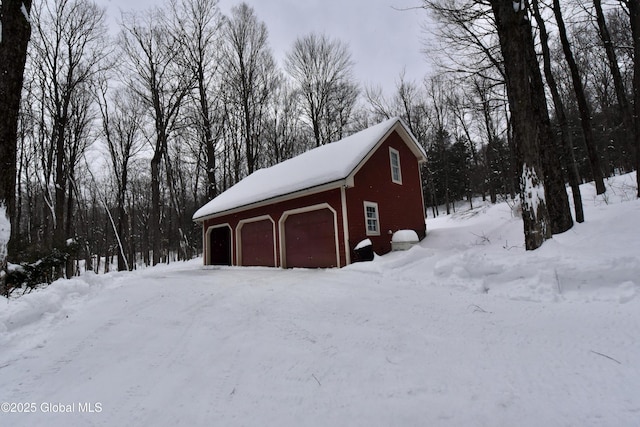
pixel 382 40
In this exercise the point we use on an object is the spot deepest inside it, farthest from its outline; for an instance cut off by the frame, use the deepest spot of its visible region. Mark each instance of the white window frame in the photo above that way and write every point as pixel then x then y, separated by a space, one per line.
pixel 392 152
pixel 366 218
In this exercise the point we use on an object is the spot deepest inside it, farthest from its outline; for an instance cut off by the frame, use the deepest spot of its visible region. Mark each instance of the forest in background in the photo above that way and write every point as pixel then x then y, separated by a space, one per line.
pixel 122 137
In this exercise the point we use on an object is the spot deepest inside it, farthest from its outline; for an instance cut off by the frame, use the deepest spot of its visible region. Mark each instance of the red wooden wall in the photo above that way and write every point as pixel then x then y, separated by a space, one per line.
pixel 400 206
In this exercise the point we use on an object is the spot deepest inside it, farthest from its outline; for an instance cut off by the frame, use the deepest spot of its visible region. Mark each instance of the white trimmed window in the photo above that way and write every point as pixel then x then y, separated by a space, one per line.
pixel 396 172
pixel 371 218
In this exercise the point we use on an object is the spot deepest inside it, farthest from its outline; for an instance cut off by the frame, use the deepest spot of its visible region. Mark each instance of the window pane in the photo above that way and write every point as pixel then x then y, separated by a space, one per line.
pixel 396 175
pixel 371 218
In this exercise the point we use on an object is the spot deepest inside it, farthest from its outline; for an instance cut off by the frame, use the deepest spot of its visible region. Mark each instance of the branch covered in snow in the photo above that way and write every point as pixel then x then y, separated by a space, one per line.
pixel 25 13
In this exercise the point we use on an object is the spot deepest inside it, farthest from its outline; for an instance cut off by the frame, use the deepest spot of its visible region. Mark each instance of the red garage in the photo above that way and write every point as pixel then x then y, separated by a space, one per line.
pixel 313 209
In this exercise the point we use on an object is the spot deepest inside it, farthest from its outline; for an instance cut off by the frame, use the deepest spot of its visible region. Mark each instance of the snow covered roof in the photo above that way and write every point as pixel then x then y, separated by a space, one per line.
pixel 327 164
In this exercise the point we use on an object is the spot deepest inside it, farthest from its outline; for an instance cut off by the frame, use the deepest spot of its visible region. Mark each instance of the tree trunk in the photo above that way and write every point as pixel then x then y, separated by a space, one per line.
pixel 15 231
pixel 122 215
pixel 132 232
pixel 583 107
pixel 315 120
pixel 554 183
pixel 14 38
pixel 514 32
pixel 623 104
pixel 209 143
pixel 107 226
pixel 568 158
pixel 634 11
pixel 212 186
pixel 156 207
pixel 491 138
pixel 69 226
pixel 59 191
pixel 122 265
pixel 250 146
pixel 514 186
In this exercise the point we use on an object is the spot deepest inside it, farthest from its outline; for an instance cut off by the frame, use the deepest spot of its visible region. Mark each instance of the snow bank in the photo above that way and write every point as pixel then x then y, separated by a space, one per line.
pixel 482 250
pixel 55 300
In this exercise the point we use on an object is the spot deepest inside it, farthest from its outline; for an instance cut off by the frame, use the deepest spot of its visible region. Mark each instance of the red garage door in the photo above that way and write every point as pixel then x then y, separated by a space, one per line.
pixel 310 239
pixel 257 243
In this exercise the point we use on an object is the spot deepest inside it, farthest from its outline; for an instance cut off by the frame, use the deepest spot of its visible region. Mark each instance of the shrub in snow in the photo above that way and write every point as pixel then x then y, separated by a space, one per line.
pixel 403 240
pixel 364 251
pixel 30 275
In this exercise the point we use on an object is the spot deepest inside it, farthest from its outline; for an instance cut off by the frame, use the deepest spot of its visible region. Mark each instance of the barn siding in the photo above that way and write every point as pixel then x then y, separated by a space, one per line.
pixel 399 206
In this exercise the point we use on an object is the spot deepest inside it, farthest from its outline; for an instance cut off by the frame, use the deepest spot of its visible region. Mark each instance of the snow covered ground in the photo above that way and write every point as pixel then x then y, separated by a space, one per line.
pixel 465 329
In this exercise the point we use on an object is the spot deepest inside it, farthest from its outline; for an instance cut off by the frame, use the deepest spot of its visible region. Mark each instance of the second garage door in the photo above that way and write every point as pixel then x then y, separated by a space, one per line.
pixel 310 239
pixel 257 243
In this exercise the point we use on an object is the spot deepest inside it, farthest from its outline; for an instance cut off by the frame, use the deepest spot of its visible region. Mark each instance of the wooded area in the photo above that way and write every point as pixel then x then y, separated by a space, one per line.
pixel 121 137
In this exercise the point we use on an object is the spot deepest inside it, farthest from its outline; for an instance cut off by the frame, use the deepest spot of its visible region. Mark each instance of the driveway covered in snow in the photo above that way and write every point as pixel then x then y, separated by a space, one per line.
pixel 187 346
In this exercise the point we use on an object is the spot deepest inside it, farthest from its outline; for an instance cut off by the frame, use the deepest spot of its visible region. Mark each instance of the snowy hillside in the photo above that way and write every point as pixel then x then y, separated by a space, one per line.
pixel 465 329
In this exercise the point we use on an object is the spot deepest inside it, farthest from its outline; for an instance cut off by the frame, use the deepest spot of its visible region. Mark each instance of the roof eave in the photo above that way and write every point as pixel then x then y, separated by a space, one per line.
pixel 277 199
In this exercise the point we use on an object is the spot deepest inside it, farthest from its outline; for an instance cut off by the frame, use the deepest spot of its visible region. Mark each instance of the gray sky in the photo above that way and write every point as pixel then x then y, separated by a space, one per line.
pixel 382 40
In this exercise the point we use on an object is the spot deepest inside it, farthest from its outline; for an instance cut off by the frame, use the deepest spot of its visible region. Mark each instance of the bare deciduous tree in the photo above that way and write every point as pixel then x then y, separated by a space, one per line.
pixel 322 70
pixel 15 31
pixel 162 83
pixel 466 26
pixel 516 44
pixel 198 24
pixel 122 130
pixel 605 36
pixel 565 134
pixel 408 102
pixel 283 128
pixel 583 106
pixel 250 77
pixel 70 50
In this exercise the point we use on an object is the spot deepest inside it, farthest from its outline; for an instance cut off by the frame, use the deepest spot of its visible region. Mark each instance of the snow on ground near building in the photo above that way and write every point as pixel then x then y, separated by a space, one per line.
pixel 464 329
